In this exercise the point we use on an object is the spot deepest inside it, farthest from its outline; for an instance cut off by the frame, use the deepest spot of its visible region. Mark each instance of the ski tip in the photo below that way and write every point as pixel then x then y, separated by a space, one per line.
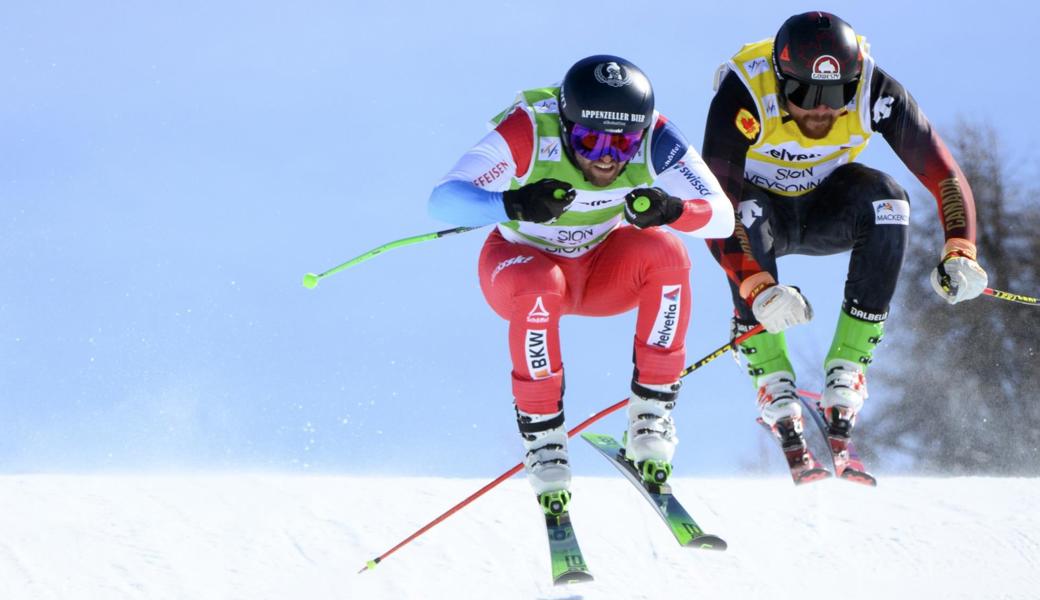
pixel 573 577
pixel 708 542
pixel 811 475
pixel 602 442
pixel 860 477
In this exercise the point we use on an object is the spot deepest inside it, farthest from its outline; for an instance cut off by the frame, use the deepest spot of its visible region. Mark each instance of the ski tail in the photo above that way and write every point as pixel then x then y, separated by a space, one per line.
pixel 801 462
pixel 567 561
pixel 846 459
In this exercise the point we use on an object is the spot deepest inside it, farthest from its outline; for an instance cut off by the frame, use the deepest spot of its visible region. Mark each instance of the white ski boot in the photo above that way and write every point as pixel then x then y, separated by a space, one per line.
pixel 778 398
pixel 651 440
pixel 548 469
pixel 780 409
pixel 843 396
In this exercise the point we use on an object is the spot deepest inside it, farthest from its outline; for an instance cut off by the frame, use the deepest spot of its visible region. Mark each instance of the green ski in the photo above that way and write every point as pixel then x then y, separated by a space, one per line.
pixel 568 565
pixel 681 524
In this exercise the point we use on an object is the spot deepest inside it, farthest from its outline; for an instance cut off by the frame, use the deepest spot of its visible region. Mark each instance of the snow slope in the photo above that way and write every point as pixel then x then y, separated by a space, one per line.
pixel 256 536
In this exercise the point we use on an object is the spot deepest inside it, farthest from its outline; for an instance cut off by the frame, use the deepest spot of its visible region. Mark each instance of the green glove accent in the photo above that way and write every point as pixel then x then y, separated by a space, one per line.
pixel 539 202
pixel 641 204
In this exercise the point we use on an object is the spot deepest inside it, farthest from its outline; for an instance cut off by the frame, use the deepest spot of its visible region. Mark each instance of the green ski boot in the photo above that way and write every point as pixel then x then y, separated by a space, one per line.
pixel 845 370
pixel 772 375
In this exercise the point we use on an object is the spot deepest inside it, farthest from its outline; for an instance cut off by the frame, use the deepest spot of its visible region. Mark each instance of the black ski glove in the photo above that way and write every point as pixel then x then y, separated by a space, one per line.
pixel 539 202
pixel 651 207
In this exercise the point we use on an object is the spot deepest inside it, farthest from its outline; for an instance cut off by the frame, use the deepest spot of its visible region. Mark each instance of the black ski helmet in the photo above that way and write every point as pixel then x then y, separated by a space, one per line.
pixel 606 93
pixel 817 60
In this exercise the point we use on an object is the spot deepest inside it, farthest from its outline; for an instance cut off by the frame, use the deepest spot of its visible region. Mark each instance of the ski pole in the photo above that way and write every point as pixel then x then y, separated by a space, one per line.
pixel 517 467
pixel 310 280
pixel 1011 297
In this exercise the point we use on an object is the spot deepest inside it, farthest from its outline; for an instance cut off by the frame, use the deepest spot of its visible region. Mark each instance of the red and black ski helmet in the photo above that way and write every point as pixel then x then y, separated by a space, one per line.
pixel 817 60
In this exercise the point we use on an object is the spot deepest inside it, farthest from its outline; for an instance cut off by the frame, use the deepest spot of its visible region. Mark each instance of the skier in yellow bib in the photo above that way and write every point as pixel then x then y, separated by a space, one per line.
pixel 789 116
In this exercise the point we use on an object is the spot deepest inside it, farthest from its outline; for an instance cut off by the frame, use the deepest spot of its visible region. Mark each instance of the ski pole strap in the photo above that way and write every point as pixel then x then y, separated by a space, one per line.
pixel 945 282
pixel 1011 297
pixel 740 339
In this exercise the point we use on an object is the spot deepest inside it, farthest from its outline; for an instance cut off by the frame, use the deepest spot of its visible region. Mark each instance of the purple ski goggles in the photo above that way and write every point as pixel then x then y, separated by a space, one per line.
pixel 593 144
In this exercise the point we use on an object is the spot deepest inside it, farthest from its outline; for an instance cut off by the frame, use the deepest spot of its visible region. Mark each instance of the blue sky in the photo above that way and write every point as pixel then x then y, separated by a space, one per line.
pixel 170 170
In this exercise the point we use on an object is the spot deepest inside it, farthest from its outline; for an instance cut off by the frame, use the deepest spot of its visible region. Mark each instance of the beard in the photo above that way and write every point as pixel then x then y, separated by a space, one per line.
pixel 601 178
pixel 597 176
pixel 816 127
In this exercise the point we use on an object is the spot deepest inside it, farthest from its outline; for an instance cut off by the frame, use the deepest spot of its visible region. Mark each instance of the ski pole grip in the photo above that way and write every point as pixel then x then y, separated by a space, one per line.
pixel 641 204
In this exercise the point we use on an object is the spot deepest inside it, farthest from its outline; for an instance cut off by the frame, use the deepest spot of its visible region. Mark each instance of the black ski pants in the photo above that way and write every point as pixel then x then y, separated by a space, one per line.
pixel 856 208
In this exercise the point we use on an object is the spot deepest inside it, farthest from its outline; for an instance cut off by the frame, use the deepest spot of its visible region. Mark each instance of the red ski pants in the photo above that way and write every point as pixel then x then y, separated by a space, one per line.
pixel 532 289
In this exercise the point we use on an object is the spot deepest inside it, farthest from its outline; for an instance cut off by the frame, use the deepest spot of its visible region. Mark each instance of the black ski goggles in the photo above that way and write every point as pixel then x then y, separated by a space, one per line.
pixel 808 96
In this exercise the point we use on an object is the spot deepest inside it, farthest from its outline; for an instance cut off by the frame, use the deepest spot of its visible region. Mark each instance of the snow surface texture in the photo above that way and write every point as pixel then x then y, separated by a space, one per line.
pixel 288 537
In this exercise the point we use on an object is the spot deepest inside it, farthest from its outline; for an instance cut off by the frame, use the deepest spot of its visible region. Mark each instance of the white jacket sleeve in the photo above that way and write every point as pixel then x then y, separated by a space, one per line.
pixel 708 213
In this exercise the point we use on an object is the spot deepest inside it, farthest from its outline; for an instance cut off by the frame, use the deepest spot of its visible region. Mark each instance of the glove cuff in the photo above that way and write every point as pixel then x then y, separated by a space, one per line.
pixel 674 210
pixel 755 285
pixel 513 205
pixel 958 247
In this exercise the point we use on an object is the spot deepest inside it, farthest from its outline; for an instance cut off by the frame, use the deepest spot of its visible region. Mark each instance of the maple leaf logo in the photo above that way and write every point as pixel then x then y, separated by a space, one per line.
pixel 747 124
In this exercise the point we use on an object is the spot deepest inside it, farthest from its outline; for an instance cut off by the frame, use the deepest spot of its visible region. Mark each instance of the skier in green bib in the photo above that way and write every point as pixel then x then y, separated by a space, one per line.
pixel 580 177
